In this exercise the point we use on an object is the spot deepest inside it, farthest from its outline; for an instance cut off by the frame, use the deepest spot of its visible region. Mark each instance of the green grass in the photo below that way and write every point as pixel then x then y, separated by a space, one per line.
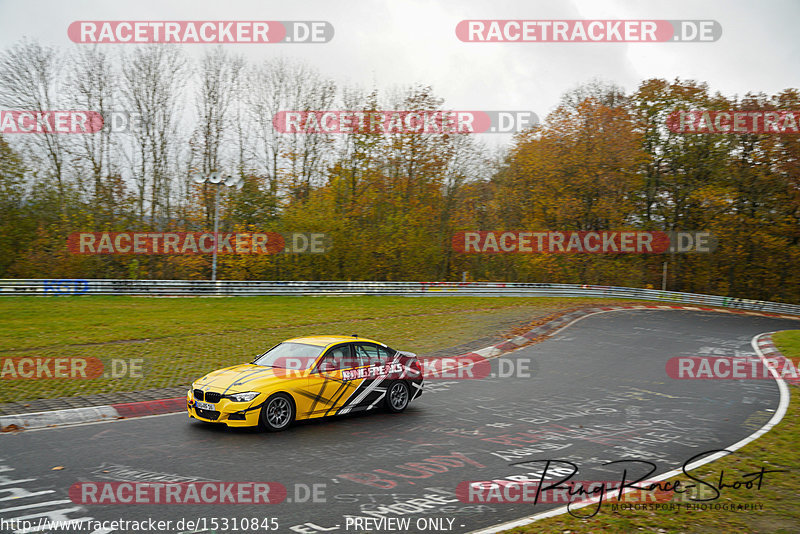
pixel 180 339
pixel 788 342
pixel 777 449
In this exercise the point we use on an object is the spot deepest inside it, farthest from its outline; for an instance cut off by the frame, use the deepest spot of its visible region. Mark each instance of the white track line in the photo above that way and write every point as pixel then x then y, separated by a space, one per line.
pixel 783 405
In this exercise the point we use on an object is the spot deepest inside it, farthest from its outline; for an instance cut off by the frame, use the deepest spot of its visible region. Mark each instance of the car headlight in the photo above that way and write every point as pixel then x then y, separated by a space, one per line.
pixel 242 397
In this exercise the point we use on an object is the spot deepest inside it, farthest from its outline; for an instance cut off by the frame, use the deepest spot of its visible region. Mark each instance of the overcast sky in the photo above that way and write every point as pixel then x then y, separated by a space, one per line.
pixel 391 43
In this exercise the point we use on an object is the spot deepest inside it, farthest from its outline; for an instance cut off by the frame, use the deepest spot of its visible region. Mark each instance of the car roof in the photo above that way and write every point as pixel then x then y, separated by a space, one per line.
pixel 324 341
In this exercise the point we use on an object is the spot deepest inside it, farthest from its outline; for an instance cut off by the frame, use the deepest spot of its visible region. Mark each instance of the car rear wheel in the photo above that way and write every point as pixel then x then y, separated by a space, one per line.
pixel 397 397
pixel 277 413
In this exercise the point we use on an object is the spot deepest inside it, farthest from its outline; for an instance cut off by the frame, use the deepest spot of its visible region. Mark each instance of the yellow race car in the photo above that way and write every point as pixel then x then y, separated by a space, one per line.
pixel 306 378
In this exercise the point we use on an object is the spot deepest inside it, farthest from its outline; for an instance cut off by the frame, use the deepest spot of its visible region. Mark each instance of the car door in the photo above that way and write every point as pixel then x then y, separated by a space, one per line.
pixel 331 382
pixel 373 388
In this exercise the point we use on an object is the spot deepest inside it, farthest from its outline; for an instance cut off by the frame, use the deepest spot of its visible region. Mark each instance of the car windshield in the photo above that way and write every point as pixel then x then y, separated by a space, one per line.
pixel 297 356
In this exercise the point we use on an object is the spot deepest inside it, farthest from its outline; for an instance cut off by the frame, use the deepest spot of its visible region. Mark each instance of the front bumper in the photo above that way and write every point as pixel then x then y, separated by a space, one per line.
pixel 233 414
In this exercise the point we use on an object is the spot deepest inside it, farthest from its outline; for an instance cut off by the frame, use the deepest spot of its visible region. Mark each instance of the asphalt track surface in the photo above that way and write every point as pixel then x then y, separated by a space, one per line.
pixel 596 392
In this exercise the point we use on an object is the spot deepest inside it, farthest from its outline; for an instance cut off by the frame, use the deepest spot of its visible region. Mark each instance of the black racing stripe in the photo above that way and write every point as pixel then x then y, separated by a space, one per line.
pixel 342 384
pixel 256 407
pixel 257 372
pixel 363 385
pixel 341 390
pixel 314 397
pixel 214 379
pixel 306 394
pixel 333 405
pixel 254 373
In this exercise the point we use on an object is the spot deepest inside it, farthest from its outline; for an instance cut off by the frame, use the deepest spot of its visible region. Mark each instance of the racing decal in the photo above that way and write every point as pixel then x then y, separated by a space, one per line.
pixel 380 372
pixel 359 395
pixel 372 372
pixel 241 380
pixel 319 398
pixel 213 377
pixel 378 399
pixel 347 386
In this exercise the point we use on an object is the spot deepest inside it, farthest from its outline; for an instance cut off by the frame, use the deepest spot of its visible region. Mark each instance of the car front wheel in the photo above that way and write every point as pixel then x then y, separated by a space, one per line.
pixel 277 413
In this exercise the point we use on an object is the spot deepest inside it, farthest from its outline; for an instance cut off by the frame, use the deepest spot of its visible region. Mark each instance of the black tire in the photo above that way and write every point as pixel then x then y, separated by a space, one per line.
pixel 277 413
pixel 397 397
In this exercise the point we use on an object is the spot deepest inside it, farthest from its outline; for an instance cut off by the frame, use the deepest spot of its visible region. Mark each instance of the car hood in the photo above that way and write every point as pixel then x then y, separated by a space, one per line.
pixel 239 378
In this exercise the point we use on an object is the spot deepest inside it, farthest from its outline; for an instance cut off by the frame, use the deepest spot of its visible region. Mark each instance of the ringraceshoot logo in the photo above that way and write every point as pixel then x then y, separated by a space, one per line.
pixel 562 492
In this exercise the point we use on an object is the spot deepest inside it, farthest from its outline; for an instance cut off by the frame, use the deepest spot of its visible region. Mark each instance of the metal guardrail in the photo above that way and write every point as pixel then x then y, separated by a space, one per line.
pixel 44 287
